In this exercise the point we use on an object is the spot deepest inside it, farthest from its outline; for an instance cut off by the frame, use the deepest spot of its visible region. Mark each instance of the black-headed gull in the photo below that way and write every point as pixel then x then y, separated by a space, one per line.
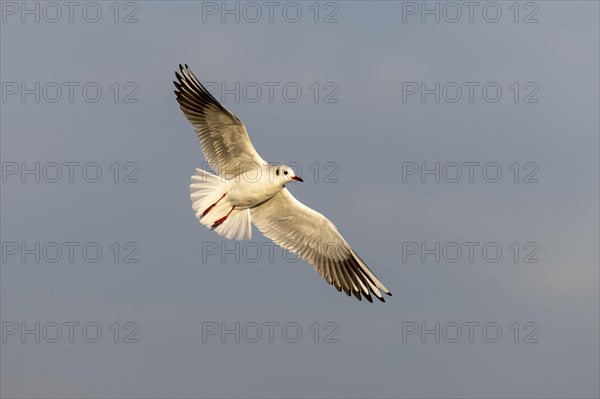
pixel 249 189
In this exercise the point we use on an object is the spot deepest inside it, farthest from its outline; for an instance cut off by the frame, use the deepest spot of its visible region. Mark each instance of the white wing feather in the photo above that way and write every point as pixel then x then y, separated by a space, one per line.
pixel 310 235
pixel 223 136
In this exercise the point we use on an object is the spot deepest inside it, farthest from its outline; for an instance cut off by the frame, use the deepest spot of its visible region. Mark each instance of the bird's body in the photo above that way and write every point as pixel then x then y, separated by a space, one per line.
pixel 224 204
pixel 253 186
pixel 249 190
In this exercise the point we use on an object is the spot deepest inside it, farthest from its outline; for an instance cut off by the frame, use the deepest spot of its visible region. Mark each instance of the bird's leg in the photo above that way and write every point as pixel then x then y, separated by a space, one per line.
pixel 221 220
pixel 212 206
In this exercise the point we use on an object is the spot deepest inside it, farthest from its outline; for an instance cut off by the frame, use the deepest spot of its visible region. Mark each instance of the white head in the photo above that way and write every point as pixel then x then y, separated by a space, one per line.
pixel 284 174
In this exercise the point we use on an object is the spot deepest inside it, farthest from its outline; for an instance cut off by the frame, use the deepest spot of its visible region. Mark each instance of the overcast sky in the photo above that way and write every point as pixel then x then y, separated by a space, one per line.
pixel 497 259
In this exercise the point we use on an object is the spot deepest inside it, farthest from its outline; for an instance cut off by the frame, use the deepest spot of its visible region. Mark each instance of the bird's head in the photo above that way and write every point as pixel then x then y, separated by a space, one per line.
pixel 284 174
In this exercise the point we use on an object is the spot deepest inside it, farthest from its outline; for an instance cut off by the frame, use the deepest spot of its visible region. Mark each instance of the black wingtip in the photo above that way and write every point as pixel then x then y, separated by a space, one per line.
pixel 178 76
pixel 181 69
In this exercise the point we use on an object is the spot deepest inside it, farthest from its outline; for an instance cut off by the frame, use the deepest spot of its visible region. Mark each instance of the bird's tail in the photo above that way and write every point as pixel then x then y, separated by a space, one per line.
pixel 213 209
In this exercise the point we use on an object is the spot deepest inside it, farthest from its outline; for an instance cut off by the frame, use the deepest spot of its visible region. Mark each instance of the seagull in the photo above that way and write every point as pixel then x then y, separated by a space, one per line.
pixel 247 189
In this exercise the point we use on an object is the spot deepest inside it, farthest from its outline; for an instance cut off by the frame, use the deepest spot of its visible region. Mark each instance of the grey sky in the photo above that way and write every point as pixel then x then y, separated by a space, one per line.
pixel 364 140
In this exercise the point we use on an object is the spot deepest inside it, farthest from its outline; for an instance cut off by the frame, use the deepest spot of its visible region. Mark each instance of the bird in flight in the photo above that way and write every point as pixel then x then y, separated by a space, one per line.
pixel 248 190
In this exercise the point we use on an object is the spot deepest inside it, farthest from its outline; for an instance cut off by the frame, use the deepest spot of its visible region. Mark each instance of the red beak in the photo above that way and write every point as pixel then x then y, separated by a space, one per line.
pixel 298 178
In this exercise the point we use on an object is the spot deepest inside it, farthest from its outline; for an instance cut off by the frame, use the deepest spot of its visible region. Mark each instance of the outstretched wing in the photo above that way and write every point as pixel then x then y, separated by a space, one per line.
pixel 223 136
pixel 311 236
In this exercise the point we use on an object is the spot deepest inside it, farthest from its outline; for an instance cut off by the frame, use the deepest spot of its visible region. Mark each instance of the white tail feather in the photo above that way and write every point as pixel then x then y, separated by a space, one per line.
pixel 207 190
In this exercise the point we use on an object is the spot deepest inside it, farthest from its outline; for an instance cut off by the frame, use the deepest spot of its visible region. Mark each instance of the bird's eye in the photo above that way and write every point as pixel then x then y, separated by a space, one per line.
pixel 277 172
pixel 285 173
